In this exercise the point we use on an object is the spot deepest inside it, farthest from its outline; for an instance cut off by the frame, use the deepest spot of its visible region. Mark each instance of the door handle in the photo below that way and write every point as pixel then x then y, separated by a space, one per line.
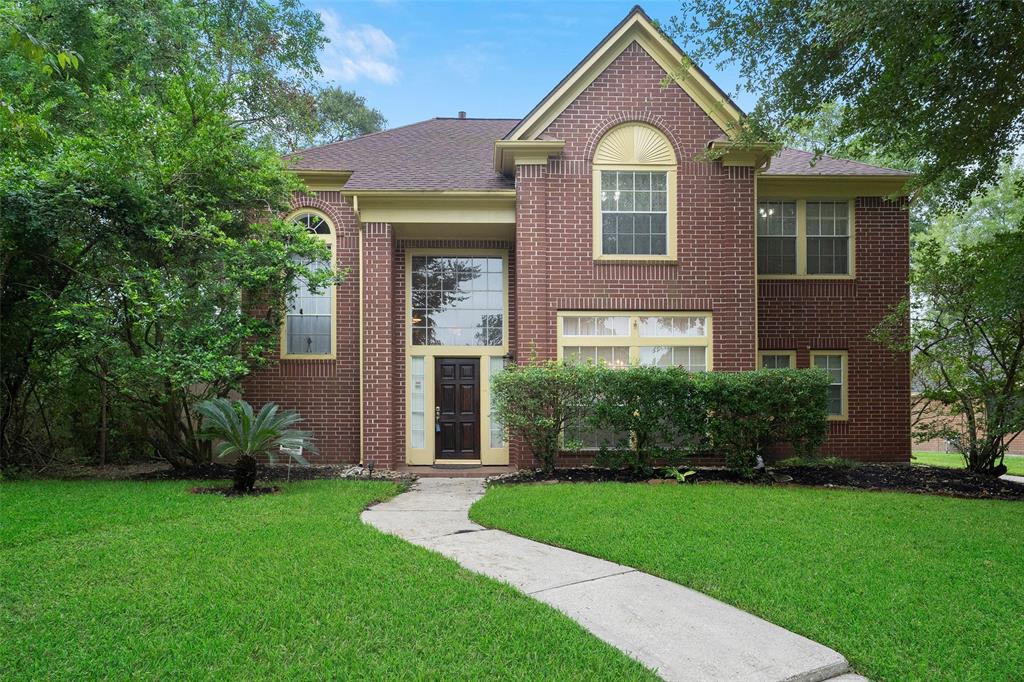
pixel 437 418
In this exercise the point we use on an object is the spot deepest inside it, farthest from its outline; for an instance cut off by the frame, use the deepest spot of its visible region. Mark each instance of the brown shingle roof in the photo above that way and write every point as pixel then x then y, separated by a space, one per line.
pixel 439 154
pixel 457 154
pixel 796 162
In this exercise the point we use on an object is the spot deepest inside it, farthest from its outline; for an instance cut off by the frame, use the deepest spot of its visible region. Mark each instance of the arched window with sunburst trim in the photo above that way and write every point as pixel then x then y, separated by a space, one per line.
pixel 634 195
pixel 309 325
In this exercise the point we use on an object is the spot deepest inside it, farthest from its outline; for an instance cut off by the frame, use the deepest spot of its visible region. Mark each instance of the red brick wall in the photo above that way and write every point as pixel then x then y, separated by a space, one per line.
pixel 325 392
pixel 806 315
pixel 714 270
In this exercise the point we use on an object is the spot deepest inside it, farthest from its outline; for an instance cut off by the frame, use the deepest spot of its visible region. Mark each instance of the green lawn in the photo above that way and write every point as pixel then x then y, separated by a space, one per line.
pixel 908 587
pixel 142 580
pixel 952 460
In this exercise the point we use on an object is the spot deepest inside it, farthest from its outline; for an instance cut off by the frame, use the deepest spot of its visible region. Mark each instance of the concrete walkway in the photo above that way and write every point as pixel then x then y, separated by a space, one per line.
pixel 680 633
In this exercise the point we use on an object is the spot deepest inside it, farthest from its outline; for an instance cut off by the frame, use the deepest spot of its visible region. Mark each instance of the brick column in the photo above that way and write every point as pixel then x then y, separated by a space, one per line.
pixel 534 319
pixel 378 426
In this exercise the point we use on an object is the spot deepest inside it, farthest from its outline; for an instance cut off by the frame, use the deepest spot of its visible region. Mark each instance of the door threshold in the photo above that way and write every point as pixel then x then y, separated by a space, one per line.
pixel 449 462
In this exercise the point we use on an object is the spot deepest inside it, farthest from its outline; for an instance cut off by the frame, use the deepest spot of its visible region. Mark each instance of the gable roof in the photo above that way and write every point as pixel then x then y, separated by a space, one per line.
pixel 636 27
pixel 451 154
pixel 796 162
pixel 437 154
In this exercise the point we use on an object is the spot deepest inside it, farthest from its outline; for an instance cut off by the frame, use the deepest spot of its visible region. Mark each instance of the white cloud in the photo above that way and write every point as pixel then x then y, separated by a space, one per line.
pixel 356 52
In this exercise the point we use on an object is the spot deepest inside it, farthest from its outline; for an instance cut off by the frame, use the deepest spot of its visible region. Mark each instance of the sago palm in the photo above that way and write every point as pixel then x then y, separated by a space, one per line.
pixel 246 435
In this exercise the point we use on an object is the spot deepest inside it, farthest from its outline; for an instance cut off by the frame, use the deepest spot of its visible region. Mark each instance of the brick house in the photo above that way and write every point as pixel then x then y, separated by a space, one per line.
pixel 595 227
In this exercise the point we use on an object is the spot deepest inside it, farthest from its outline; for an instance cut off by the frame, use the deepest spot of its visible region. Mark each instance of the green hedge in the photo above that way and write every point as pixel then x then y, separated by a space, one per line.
pixel 670 413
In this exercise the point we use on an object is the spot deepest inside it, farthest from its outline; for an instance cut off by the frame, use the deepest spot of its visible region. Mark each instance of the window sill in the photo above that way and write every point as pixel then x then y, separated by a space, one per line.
pixel 308 357
pixel 810 277
pixel 634 259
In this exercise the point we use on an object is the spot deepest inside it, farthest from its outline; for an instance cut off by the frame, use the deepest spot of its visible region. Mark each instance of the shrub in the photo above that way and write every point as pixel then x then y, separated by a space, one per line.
pixel 537 402
pixel 749 411
pixel 658 406
pixel 246 435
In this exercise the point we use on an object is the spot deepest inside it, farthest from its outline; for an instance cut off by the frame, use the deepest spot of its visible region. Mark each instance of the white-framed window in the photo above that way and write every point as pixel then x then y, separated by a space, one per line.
pixel 777 359
pixel 634 185
pixel 835 363
pixel 309 324
pixel 804 238
pixel 457 300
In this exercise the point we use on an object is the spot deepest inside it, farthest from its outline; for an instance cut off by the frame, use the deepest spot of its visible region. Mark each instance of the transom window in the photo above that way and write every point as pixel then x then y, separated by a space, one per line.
pixel 309 320
pixel 835 364
pixel 634 213
pixel 805 238
pixel 457 301
pixel 634 194
pixel 623 339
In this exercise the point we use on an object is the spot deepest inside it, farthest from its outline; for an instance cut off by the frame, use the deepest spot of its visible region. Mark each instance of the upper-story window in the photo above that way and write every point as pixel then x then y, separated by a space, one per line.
pixel 805 238
pixel 309 322
pixel 634 195
pixel 457 300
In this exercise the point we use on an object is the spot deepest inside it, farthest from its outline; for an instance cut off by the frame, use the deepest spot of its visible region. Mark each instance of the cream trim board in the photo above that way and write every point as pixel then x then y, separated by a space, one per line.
pixel 671 199
pixel 633 340
pixel 425 455
pixel 846 379
pixel 678 68
pixel 331 240
pixel 830 186
pixel 801 238
pixel 791 354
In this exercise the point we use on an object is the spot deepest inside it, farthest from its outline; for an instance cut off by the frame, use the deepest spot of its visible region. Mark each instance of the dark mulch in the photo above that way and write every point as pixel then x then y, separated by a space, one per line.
pixel 217 471
pixel 231 492
pixel 888 477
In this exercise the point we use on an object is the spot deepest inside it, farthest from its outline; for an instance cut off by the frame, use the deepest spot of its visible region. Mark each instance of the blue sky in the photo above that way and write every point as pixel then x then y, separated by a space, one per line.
pixel 416 59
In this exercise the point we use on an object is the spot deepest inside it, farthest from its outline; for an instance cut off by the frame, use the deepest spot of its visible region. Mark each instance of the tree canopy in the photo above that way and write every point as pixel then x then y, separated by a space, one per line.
pixel 934 83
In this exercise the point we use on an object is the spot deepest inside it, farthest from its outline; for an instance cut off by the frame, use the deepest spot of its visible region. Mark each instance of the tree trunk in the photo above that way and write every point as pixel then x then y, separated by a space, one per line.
pixel 245 474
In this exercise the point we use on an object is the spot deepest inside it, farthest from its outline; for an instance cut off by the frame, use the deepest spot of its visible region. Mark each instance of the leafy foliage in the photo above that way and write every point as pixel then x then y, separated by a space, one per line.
pixel 142 269
pixel 667 412
pixel 966 335
pixel 538 401
pixel 934 82
pixel 246 436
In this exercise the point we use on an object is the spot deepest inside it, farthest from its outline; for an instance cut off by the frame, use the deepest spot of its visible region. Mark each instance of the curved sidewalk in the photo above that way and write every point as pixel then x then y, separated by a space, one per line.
pixel 679 633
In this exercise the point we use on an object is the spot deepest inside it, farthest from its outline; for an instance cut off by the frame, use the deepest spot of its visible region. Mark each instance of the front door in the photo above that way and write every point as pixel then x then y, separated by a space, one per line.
pixel 457 410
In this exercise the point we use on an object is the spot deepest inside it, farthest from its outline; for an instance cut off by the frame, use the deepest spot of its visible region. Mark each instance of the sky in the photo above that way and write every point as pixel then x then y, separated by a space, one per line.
pixel 417 59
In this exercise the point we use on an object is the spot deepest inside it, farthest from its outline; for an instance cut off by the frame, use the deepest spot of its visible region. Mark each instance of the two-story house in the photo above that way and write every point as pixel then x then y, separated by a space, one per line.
pixel 594 228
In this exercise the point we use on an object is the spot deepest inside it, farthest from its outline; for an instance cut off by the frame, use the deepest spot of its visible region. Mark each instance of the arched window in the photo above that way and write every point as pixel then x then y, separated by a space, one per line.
pixel 309 325
pixel 634 195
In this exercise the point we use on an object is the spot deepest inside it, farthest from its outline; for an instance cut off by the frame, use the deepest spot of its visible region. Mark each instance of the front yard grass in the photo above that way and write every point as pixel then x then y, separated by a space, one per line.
pixel 120 580
pixel 953 460
pixel 908 587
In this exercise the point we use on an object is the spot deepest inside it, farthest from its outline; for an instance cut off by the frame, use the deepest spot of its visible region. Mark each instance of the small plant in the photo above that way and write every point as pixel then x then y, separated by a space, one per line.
pixel 246 435
pixel 679 475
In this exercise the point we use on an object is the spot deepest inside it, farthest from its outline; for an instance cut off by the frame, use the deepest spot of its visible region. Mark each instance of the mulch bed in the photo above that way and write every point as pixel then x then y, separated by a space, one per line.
pixel 886 477
pixel 217 471
pixel 231 492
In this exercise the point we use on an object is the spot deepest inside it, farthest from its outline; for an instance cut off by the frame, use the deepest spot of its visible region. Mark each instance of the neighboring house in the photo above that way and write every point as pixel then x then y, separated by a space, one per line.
pixel 592 228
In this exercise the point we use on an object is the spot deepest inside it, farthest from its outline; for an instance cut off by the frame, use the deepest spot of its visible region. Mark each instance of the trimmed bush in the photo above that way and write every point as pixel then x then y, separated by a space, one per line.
pixel 537 402
pixel 668 412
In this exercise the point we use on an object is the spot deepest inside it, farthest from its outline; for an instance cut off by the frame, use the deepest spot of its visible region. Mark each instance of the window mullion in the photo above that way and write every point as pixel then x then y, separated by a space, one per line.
pixel 801 237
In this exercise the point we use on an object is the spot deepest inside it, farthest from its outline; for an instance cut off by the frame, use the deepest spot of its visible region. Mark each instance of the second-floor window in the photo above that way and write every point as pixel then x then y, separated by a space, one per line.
pixel 801 238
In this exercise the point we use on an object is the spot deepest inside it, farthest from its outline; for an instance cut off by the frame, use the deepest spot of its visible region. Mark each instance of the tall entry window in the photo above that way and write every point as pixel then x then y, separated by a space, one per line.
pixel 457 301
pixel 309 321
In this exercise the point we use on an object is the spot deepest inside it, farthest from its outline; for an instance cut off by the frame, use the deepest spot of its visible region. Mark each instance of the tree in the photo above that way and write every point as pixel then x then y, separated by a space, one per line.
pixel 142 268
pixel 935 81
pixel 966 337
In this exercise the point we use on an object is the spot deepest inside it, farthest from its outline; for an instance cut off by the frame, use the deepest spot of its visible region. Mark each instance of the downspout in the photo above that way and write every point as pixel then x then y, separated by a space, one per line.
pixel 355 209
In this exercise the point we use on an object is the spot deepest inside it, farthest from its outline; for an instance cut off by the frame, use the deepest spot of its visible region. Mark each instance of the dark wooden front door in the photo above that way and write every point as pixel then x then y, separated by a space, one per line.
pixel 457 412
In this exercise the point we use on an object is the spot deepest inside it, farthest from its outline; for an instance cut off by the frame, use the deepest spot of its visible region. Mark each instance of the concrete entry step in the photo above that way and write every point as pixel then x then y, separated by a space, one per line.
pixel 678 632
pixel 455 470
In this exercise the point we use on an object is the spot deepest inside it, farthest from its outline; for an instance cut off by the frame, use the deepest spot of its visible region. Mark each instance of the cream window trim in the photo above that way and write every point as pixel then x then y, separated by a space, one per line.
pixel 635 147
pixel 801 238
pixel 633 340
pixel 791 354
pixel 331 240
pixel 846 379
pixel 425 455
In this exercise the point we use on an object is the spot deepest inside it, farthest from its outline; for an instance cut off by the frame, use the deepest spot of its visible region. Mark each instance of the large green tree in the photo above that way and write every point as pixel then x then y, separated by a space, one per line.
pixel 142 268
pixel 939 83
